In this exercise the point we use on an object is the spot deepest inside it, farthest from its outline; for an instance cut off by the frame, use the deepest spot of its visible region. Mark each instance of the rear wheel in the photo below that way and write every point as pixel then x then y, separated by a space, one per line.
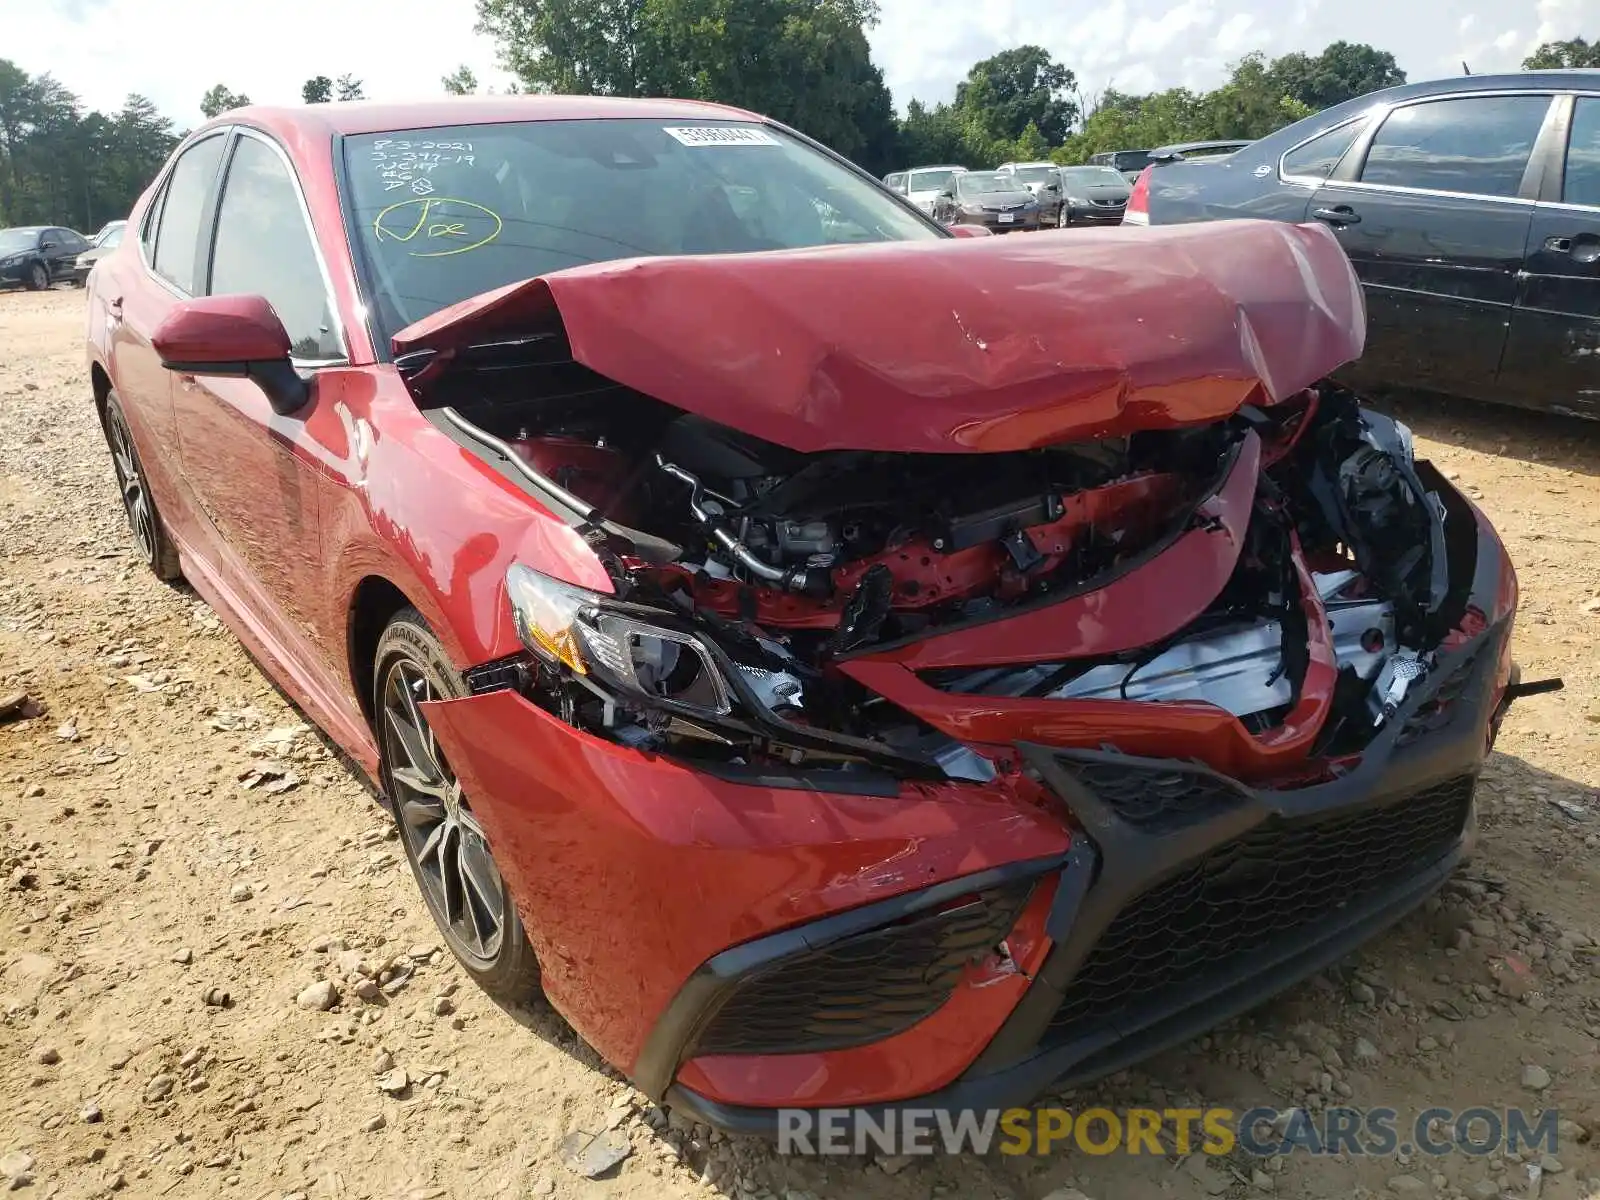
pixel 444 843
pixel 149 534
pixel 37 278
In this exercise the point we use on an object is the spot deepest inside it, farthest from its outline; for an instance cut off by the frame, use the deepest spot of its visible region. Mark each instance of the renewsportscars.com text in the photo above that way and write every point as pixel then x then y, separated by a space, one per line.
pixel 1216 1131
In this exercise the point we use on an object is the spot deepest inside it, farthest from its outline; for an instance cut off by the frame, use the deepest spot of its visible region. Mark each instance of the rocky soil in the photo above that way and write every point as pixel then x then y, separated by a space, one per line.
pixel 216 977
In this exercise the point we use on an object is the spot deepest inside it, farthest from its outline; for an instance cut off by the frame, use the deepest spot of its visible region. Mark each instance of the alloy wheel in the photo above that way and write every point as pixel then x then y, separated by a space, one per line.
pixel 452 856
pixel 38 277
pixel 130 483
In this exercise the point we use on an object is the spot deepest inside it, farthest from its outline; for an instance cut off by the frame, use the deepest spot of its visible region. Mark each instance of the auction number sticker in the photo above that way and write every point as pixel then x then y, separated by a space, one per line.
pixel 719 135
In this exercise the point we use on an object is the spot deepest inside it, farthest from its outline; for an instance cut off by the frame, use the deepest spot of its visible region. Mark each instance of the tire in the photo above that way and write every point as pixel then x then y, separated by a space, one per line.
pixel 144 519
pixel 449 855
pixel 37 279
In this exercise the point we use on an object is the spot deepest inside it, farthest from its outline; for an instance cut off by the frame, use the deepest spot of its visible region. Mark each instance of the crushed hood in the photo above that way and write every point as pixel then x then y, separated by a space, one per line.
pixel 983 344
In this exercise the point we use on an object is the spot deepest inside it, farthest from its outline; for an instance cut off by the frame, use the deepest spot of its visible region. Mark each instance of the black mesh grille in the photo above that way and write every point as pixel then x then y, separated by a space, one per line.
pixel 862 988
pixel 1257 891
pixel 1156 800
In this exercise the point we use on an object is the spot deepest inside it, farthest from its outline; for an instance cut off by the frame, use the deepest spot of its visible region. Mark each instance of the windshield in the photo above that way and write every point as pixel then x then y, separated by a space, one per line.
pixel 978 182
pixel 439 215
pixel 110 239
pixel 1092 177
pixel 12 240
pixel 930 181
pixel 1033 174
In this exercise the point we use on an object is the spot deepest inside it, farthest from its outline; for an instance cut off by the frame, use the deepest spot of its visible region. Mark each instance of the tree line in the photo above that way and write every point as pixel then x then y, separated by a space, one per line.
pixel 805 62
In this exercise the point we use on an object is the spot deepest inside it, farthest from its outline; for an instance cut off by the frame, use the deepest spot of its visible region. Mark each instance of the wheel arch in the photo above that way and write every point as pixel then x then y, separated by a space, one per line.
pixel 100 381
pixel 373 604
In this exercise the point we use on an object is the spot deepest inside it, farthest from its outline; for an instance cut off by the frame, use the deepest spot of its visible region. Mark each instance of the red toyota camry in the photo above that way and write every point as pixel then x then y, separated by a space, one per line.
pixel 836 662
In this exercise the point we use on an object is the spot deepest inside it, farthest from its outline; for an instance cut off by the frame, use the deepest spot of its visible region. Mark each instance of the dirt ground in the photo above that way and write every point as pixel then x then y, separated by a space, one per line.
pixel 143 866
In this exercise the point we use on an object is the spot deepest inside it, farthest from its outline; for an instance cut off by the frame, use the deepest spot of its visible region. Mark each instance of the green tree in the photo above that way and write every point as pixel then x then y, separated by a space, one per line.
pixel 1031 146
pixel 220 100
pixel 1343 71
pixel 1007 92
pixel 589 47
pixel 461 81
pixel 1563 55
pixel 932 135
pixel 348 88
pixel 317 90
pixel 804 62
pixel 60 165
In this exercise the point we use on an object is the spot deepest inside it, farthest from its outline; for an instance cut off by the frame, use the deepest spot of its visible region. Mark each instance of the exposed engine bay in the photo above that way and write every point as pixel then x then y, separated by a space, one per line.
pixel 749 577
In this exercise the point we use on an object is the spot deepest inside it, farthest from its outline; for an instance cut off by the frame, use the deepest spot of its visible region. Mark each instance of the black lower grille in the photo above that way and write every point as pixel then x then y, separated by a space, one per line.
pixel 1156 800
pixel 1253 892
pixel 863 988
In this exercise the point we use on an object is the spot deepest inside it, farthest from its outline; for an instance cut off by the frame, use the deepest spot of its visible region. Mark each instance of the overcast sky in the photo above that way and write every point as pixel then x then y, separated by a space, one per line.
pixel 173 50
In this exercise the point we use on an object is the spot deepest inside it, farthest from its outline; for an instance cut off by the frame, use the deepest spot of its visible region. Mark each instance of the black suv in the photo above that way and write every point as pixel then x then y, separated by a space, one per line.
pixel 38 255
pixel 1471 211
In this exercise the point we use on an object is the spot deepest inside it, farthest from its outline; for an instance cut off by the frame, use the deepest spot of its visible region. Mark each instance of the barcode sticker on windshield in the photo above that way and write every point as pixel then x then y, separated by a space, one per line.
pixel 720 135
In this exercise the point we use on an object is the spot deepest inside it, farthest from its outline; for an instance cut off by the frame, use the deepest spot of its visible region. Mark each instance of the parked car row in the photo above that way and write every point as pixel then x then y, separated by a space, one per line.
pixel 1470 209
pixel 1015 196
pixel 37 256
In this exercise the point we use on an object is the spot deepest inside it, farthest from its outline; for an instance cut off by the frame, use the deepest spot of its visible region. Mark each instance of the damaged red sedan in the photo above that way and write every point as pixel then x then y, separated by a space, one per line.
pixel 835 662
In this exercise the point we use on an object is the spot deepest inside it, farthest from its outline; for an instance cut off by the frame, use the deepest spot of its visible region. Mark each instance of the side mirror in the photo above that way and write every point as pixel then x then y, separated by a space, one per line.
pixel 969 231
pixel 234 336
pixel 49 245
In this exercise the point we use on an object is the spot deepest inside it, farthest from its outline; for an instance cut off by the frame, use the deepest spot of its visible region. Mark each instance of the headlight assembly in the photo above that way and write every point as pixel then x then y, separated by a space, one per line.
pixel 582 630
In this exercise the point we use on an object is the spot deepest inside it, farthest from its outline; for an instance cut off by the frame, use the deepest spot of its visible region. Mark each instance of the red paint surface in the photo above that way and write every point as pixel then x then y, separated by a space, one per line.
pixel 221 329
pixel 1013 342
pixel 1149 602
pixel 631 870
pixel 929 1055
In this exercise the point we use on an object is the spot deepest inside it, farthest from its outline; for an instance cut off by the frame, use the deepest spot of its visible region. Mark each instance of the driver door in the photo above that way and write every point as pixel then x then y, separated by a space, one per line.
pixel 254 474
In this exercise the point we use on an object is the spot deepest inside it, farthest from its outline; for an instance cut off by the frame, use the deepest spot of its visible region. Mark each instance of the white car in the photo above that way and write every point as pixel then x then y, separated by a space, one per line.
pixel 922 185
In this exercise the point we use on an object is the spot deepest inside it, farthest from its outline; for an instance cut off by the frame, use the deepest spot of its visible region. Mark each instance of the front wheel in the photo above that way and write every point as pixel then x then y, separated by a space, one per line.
pixel 444 843
pixel 144 519
pixel 38 278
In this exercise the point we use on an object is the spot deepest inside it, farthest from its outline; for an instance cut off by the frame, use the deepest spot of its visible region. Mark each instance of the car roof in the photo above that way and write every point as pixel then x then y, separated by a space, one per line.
pixel 370 116
pixel 27 228
pixel 1270 147
pixel 937 167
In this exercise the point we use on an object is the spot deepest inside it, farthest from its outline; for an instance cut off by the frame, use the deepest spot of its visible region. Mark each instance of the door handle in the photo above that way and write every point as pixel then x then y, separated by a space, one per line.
pixel 114 306
pixel 1558 245
pixel 1338 216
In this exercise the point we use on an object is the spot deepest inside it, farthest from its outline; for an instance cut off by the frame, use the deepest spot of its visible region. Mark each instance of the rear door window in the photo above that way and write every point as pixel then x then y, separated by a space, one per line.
pixel 1582 184
pixel 1317 158
pixel 1474 145
pixel 178 236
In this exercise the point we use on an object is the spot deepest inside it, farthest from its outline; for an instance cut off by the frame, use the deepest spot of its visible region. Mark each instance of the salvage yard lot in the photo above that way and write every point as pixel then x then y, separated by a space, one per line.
pixel 170 831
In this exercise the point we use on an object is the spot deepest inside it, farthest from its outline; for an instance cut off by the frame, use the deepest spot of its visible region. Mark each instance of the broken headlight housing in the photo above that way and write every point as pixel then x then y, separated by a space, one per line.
pixel 614 645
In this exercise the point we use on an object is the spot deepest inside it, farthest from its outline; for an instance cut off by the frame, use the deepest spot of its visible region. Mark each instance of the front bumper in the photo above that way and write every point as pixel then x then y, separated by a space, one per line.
pixel 992 222
pixel 1163 928
pixel 733 942
pixel 1092 214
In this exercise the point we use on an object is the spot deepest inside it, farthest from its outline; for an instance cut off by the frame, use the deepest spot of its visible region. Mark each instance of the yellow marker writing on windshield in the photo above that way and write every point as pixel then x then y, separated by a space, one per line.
pixel 464 224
